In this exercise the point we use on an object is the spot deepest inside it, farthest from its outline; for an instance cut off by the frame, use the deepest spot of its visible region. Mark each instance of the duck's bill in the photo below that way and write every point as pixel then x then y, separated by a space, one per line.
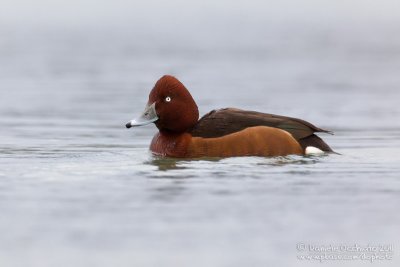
pixel 148 116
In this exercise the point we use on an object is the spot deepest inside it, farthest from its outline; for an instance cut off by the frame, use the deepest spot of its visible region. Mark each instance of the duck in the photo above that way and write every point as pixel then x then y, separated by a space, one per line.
pixel 226 132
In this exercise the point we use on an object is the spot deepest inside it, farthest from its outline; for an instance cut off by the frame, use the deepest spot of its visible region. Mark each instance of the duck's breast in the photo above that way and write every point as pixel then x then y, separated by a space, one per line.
pixel 170 145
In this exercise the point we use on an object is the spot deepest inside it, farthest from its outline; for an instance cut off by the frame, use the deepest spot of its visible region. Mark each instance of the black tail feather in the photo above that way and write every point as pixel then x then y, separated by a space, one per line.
pixel 314 141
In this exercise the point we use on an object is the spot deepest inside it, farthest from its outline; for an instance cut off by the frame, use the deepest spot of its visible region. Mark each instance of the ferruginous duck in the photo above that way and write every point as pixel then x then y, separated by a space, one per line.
pixel 227 132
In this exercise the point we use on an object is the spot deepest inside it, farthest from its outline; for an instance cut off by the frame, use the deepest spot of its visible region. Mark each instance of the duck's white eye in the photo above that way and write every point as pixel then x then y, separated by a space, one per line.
pixel 168 99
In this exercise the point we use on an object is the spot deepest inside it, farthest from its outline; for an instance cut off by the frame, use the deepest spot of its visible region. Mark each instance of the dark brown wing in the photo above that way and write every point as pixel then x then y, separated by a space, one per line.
pixel 229 120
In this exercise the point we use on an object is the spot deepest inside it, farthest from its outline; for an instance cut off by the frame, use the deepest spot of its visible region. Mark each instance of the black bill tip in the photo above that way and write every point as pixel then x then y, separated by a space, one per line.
pixel 128 125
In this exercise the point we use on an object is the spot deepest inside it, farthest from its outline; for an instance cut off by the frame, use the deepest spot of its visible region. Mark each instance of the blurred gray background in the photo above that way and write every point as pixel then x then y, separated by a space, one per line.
pixel 78 189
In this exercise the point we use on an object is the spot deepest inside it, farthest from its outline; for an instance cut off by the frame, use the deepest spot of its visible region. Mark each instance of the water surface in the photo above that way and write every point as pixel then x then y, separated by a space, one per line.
pixel 78 189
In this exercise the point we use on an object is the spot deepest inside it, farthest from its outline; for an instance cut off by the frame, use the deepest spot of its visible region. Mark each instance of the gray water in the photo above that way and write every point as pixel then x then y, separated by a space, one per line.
pixel 78 189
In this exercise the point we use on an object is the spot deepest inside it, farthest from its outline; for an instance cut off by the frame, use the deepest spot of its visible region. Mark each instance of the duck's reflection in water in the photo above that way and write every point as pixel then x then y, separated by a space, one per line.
pixel 167 163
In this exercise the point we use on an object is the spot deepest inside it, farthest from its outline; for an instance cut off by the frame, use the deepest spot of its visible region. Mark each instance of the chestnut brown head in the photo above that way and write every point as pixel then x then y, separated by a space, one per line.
pixel 171 107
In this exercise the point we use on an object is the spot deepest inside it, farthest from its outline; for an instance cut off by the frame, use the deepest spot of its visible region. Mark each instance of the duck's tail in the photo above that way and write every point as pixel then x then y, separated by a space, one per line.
pixel 313 144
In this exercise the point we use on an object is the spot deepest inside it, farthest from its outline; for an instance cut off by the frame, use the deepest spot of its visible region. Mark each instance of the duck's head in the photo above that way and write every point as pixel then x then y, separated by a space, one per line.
pixel 171 107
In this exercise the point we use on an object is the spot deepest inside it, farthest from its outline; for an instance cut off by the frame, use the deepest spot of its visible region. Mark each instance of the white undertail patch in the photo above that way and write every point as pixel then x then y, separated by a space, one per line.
pixel 311 150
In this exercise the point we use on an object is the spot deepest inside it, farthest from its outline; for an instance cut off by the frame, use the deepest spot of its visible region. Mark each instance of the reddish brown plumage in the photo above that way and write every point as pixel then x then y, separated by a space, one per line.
pixel 171 144
pixel 223 133
pixel 253 141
